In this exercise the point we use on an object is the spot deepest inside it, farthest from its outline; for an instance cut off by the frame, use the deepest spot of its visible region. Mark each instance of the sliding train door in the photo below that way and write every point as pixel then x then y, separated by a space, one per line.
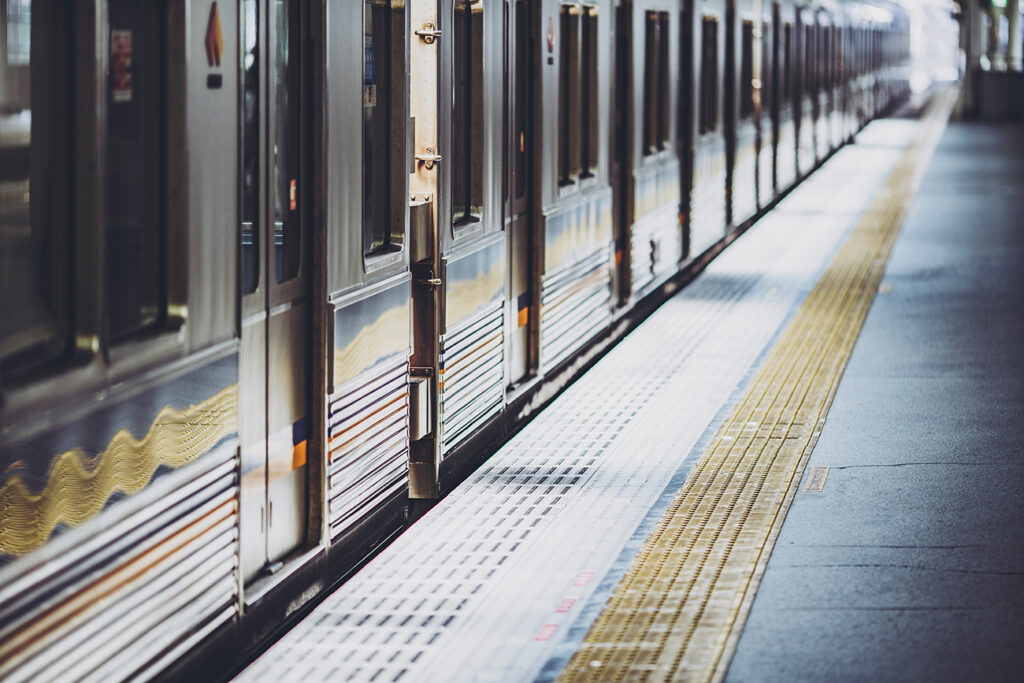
pixel 521 308
pixel 274 374
pixel 650 235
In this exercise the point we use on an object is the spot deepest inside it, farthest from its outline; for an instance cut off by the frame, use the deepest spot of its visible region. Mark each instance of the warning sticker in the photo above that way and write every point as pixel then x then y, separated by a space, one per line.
pixel 121 65
pixel 369 96
pixel 214 37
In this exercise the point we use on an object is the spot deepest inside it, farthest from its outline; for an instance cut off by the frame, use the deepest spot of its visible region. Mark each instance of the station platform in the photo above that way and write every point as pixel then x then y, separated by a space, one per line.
pixel 804 466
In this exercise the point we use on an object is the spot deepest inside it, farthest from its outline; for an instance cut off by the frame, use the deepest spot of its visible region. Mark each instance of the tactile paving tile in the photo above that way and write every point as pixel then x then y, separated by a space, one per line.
pixel 487 585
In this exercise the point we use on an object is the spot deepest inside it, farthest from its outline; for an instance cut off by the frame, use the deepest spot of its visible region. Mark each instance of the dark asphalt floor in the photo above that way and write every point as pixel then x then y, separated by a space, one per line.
pixel 909 564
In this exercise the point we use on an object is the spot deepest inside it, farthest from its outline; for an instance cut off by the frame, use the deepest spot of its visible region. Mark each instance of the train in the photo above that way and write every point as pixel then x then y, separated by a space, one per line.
pixel 276 274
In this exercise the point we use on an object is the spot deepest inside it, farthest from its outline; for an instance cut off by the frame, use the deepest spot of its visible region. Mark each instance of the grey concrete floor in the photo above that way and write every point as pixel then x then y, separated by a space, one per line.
pixel 909 564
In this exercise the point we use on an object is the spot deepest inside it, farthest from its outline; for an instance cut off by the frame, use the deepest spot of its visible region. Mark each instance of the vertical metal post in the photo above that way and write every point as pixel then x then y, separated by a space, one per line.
pixel 1013 45
pixel 424 40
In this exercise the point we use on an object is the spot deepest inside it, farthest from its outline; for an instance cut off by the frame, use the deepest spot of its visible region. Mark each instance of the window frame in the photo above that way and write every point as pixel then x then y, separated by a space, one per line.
pixel 161 189
pixel 55 65
pixel 709 76
pixel 570 159
pixel 663 104
pixel 590 84
pixel 746 86
pixel 393 248
pixel 470 220
pixel 91 359
pixel 786 72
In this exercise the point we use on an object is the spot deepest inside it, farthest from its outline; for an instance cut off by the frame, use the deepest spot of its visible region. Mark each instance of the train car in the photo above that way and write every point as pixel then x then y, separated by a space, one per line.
pixel 708 215
pixel 274 273
pixel 120 408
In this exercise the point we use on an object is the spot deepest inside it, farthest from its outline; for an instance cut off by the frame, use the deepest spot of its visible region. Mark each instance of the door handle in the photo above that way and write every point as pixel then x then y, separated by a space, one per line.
pixel 429 157
pixel 429 33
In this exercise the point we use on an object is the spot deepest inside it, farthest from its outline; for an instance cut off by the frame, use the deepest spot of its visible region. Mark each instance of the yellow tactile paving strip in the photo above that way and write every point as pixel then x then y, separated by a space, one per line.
pixel 679 610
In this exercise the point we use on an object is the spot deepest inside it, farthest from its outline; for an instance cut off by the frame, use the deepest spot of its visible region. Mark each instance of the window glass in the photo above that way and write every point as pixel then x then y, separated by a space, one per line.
pixel 826 57
pixel 522 93
pixel 747 70
pixel 651 64
pixel 840 74
pixel 250 147
pixel 285 147
pixel 709 75
pixel 19 32
pixel 590 116
pixel 35 244
pixel 787 64
pixel 663 88
pixel 134 167
pixel 569 124
pixel 377 232
pixel 467 112
pixel 767 68
pixel 810 87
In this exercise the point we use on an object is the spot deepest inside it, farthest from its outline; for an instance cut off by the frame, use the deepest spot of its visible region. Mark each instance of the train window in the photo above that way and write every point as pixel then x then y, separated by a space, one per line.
pixel 18 29
pixel 467 113
pixel 767 68
pixel 841 47
pixel 568 95
pixel 656 83
pixel 590 118
pixel 378 234
pixel 250 258
pixel 786 74
pixel 135 168
pixel 650 79
pixel 524 79
pixel 664 88
pixel 709 75
pixel 747 70
pixel 285 149
pixel 35 236
pixel 826 57
pixel 808 57
pixel 835 47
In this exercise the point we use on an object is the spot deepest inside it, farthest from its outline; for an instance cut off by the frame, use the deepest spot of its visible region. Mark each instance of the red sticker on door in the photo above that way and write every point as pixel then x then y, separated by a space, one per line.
pixel 121 66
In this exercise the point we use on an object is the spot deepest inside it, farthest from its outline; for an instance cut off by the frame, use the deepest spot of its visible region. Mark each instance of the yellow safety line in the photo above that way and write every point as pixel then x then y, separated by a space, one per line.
pixel 678 612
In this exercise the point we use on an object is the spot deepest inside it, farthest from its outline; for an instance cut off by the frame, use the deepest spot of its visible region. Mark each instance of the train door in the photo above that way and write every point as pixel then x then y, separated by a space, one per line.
pixel 274 375
pixel 520 355
pixel 650 233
